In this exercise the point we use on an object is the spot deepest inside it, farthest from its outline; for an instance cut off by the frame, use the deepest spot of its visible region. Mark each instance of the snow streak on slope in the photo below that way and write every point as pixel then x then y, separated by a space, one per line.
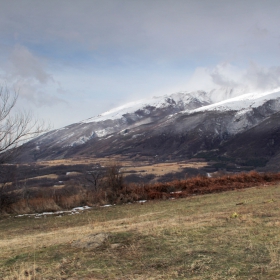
pixel 242 102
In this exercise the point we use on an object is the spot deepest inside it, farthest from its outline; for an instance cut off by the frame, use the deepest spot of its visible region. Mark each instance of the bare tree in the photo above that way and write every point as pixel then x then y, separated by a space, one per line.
pixel 94 178
pixel 114 181
pixel 106 180
pixel 15 127
pixel 114 177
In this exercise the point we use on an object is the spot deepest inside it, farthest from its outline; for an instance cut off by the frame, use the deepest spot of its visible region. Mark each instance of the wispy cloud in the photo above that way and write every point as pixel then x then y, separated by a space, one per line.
pixel 27 74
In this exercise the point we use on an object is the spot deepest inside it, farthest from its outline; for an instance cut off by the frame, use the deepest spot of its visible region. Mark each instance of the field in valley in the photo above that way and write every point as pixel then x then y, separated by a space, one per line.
pixel 53 173
pixel 230 235
pixel 143 167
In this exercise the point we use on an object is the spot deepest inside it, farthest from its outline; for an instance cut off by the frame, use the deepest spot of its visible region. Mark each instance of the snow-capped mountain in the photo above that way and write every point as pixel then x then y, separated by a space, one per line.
pixel 241 102
pixel 125 117
pixel 179 101
pixel 179 125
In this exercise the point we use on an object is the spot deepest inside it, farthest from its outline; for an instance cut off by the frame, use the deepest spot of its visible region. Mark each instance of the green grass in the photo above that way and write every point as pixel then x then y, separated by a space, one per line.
pixel 231 235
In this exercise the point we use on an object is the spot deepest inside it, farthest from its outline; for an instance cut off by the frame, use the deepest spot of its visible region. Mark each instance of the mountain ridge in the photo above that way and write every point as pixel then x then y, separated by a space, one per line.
pixel 177 126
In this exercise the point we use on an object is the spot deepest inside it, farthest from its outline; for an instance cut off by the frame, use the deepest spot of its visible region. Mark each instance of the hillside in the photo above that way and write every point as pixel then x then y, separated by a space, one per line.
pixel 232 235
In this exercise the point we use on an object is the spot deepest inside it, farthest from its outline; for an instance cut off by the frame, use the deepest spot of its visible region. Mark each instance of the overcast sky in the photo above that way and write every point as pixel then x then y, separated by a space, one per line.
pixel 74 59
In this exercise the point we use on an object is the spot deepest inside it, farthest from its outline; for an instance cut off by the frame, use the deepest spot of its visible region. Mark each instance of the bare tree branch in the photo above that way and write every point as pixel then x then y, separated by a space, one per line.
pixel 15 127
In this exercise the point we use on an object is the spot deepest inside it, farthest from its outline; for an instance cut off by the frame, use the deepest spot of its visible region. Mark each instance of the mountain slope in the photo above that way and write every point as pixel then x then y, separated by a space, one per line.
pixel 125 117
pixel 176 126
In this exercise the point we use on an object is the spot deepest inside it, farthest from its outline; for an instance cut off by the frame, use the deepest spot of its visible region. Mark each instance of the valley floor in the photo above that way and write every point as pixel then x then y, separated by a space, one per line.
pixel 230 235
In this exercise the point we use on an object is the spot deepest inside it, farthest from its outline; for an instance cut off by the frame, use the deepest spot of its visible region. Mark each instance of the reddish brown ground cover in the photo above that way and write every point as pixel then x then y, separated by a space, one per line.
pixel 65 198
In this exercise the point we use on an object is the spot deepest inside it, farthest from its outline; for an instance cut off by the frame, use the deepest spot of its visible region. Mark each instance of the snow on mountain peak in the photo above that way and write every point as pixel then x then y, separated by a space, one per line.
pixel 176 99
pixel 241 102
pixel 189 102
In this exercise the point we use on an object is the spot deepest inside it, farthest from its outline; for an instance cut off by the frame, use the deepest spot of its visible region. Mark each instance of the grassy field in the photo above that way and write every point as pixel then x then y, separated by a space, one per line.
pixel 231 235
pixel 143 167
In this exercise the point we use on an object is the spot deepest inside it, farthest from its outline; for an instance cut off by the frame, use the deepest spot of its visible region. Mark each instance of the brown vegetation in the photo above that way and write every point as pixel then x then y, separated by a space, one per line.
pixel 111 189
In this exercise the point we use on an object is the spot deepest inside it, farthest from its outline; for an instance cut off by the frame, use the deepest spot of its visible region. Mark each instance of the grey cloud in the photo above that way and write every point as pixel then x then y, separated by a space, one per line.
pixel 24 64
pixel 27 74
pixel 222 80
pixel 260 33
pixel 32 93
pixel 157 28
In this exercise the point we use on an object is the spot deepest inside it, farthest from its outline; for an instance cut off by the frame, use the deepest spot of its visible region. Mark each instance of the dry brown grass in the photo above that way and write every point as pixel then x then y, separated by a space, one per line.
pixel 49 176
pixel 231 235
pixel 130 167
pixel 161 169
pixel 65 197
pixel 84 160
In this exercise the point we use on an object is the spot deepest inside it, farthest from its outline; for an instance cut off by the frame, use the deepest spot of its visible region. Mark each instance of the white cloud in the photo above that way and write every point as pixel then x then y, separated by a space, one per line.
pixel 262 78
pixel 225 75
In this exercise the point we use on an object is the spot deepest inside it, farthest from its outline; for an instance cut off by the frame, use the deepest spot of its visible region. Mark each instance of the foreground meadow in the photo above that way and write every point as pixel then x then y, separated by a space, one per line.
pixel 230 235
